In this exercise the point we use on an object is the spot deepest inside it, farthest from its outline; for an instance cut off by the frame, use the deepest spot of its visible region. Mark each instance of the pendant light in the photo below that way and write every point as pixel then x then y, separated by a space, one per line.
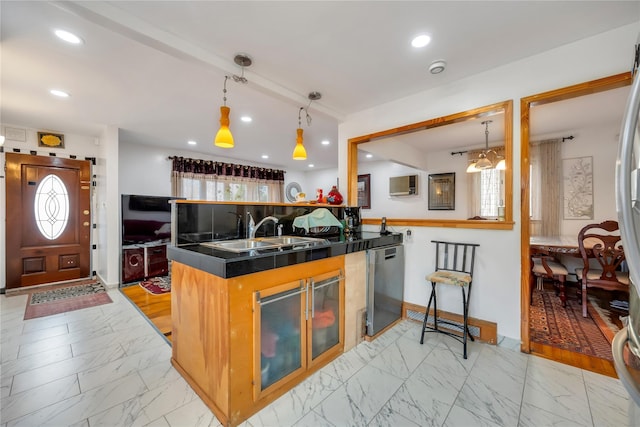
pixel 224 138
pixel 483 162
pixel 299 152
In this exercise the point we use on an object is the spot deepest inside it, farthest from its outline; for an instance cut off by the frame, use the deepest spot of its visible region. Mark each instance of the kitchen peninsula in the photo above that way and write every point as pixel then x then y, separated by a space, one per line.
pixel 250 324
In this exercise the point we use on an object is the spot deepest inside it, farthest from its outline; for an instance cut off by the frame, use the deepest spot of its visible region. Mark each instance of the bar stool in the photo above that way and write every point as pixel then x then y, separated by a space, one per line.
pixel 454 266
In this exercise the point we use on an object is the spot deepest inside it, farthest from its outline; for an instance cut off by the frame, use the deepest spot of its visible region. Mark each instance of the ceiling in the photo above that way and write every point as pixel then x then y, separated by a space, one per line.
pixel 156 69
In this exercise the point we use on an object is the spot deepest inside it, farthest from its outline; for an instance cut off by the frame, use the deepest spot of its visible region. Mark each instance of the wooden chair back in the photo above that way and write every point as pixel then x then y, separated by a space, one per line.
pixel 603 243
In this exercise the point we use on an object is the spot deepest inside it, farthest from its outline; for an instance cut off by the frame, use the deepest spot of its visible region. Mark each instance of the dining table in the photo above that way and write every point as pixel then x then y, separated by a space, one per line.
pixel 556 245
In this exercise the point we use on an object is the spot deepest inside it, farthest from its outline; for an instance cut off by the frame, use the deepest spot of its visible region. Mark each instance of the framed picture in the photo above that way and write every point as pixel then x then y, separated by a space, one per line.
pixel 577 188
pixel 364 191
pixel 50 140
pixel 442 191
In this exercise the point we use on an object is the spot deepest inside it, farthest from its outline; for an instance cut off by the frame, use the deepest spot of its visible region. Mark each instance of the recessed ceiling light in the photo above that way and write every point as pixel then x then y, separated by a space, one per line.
pixel 325 142
pixel 60 93
pixel 246 119
pixel 311 165
pixel 369 156
pixel 192 142
pixel 421 41
pixel 68 37
pixel 265 156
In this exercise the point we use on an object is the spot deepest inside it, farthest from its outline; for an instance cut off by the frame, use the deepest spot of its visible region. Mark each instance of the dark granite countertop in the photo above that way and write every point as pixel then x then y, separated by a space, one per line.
pixel 227 264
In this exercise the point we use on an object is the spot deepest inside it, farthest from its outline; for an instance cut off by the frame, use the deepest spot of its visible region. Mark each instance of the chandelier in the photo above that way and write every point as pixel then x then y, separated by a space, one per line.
pixel 488 158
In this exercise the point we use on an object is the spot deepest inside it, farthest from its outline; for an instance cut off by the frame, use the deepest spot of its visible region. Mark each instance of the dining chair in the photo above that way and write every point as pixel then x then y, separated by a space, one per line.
pixel 602 243
pixel 544 266
pixel 454 266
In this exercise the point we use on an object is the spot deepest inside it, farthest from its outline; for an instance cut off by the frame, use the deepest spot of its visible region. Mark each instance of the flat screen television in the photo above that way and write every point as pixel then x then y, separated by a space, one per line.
pixel 145 219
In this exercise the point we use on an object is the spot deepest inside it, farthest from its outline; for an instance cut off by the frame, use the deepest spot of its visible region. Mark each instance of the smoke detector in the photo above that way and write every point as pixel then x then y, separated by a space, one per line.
pixel 437 66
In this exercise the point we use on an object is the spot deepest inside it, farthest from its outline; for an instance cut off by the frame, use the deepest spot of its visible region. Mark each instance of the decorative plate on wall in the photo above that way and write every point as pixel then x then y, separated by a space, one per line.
pixel 291 191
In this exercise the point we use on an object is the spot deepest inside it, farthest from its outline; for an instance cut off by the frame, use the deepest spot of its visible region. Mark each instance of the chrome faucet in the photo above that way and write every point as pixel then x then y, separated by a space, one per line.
pixel 253 228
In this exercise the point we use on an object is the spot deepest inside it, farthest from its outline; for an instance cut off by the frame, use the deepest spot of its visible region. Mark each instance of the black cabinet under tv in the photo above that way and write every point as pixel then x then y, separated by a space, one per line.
pixel 143 261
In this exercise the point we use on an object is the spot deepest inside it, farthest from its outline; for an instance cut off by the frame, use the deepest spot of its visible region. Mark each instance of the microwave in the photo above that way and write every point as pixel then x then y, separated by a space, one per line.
pixel 403 185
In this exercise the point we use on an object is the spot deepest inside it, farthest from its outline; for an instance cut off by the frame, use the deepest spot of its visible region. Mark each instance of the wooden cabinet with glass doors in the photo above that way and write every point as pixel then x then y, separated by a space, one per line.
pixel 243 342
pixel 300 326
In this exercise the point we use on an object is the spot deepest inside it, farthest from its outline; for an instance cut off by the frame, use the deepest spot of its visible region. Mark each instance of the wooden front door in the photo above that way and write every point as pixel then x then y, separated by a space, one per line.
pixel 48 225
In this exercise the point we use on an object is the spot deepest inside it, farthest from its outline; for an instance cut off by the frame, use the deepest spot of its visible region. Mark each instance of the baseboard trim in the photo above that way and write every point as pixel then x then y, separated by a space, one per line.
pixel 482 330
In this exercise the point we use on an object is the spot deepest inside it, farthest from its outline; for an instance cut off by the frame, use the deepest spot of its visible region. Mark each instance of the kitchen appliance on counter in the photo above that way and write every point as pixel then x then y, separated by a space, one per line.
pixel 626 344
pixel 385 287
pixel 352 219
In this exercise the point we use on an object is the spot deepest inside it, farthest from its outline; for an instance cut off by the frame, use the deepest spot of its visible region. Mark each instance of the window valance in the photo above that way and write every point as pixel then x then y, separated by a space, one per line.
pixel 210 167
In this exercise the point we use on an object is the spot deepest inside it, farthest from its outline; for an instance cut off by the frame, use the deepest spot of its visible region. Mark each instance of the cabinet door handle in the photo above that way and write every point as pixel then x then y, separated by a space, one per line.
pixel 304 285
pixel 313 298
pixel 269 300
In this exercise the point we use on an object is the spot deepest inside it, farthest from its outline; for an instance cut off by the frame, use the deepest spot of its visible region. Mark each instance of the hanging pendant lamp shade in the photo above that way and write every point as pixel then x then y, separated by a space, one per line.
pixel 299 152
pixel 224 139
pixel 483 162
pixel 472 168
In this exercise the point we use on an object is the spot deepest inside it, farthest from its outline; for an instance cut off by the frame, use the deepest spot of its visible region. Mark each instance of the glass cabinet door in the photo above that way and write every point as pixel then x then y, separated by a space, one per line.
pixel 325 320
pixel 281 317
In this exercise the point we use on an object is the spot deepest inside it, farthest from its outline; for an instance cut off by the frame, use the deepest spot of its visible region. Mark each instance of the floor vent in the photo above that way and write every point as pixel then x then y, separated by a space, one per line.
pixel 483 330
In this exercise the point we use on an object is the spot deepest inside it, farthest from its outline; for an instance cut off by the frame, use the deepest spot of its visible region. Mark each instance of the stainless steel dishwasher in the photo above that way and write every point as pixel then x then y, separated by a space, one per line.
pixel 385 287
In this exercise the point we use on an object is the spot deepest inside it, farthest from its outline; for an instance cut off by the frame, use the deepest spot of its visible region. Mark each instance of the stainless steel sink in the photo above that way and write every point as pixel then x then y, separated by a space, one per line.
pixel 245 245
pixel 240 245
pixel 291 240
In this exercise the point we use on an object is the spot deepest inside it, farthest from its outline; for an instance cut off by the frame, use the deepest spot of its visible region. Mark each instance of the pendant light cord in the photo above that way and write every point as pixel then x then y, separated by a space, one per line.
pixel 224 91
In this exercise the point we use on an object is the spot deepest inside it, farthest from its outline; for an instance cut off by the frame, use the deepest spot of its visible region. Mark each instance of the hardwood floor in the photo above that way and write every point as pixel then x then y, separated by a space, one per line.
pixel 157 308
pixel 579 360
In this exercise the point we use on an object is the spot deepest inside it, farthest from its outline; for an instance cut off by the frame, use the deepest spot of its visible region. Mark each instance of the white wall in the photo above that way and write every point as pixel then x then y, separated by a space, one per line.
pixel 602 145
pixel 78 145
pixel 324 179
pixel 108 208
pixel 415 206
pixel 496 289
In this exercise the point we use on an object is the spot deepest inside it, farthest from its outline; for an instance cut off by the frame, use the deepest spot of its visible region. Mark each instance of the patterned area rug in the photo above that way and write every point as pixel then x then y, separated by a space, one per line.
pixel 65 298
pixel 565 328
pixel 157 285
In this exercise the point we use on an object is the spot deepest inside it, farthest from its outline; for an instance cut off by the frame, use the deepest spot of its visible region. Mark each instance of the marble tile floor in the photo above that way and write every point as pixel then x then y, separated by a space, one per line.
pixel 107 366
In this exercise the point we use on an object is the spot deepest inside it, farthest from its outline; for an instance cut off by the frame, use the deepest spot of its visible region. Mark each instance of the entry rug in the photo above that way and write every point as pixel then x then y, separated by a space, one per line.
pixel 157 285
pixel 565 328
pixel 67 298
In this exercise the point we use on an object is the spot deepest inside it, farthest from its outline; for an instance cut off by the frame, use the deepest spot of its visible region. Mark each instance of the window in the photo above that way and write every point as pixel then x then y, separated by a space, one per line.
pixel 491 192
pixel 229 190
pixel 51 207
pixel 486 194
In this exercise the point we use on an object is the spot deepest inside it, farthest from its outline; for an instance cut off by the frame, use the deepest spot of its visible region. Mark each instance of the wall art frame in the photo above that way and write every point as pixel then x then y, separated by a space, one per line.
pixel 577 188
pixel 364 191
pixel 50 140
pixel 442 191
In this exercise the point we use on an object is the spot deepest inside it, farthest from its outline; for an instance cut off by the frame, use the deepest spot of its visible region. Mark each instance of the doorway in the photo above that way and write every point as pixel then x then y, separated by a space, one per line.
pixel 48 219
pixel 588 88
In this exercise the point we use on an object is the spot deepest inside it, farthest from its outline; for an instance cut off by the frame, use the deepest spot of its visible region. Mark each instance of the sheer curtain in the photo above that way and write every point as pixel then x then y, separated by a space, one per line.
pixel 546 175
pixel 486 188
pixel 208 180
